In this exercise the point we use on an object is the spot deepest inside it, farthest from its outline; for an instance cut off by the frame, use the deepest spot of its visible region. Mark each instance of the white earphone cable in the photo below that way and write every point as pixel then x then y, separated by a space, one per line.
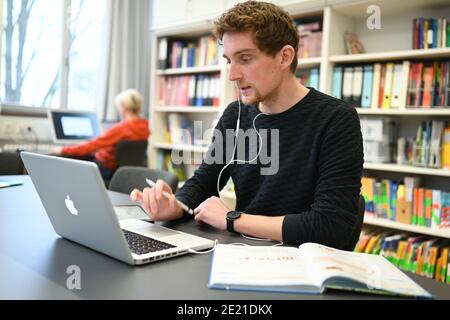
pixel 235 144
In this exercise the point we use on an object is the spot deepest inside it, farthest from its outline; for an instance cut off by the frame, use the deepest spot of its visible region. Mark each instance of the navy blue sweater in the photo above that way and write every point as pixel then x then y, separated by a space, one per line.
pixel 317 184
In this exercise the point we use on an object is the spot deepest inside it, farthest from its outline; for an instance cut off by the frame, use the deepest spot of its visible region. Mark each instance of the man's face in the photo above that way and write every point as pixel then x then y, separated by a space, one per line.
pixel 256 73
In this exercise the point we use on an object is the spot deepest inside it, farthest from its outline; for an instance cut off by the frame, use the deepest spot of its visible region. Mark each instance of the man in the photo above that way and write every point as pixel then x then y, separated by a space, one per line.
pixel 313 197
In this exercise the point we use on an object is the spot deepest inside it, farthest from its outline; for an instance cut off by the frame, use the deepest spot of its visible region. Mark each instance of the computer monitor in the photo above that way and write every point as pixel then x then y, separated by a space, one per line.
pixel 73 126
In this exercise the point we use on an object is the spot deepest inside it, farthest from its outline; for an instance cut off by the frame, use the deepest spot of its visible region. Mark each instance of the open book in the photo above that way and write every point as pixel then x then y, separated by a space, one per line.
pixel 311 268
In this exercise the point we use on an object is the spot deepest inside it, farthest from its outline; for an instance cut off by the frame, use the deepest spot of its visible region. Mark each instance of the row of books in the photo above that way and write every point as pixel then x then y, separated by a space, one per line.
pixel 310 39
pixel 164 163
pixel 417 254
pixel 431 33
pixel 203 51
pixel 183 170
pixel 189 90
pixel 309 77
pixel 394 85
pixel 430 148
pixel 406 202
pixel 180 129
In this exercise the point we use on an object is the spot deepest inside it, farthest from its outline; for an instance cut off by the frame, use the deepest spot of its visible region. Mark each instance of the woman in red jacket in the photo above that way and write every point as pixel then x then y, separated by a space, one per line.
pixel 102 149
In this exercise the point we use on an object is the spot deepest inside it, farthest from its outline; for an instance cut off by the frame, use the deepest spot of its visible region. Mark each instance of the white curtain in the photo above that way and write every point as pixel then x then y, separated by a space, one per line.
pixel 128 55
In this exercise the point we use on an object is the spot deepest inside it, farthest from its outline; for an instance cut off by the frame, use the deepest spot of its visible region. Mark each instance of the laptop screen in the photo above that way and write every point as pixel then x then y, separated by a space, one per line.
pixel 73 126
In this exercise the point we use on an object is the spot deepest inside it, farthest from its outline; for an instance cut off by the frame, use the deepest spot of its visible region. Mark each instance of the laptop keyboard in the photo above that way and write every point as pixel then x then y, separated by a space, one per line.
pixel 141 245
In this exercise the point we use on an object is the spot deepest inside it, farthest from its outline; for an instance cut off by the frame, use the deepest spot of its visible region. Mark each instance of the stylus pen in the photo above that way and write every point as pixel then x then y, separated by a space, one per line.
pixel 152 184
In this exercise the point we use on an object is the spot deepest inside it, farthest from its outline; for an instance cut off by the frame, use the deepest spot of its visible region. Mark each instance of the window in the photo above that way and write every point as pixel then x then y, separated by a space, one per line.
pixel 35 41
pixel 88 34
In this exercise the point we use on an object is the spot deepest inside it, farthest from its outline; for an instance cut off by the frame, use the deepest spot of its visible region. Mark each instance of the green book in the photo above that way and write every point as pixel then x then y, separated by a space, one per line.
pixel 448 34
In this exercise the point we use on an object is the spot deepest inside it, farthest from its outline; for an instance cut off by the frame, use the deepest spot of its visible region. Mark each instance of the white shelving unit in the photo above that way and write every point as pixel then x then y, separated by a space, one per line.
pixel 407 169
pixel 309 62
pixel 187 109
pixel 390 43
pixel 443 233
pixel 184 147
pixel 393 55
pixel 405 112
pixel 190 70
pixel 207 115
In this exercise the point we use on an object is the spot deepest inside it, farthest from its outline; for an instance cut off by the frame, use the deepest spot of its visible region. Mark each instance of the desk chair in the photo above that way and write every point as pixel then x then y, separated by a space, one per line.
pixel 128 153
pixel 125 179
pixel 131 153
pixel 11 163
pixel 354 237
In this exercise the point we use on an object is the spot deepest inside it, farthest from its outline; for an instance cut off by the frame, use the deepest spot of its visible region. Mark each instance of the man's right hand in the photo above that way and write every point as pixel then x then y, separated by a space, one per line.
pixel 158 206
pixel 56 151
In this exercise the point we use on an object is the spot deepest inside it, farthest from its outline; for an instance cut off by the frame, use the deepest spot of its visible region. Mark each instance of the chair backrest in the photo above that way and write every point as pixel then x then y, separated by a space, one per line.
pixel 125 179
pixel 354 237
pixel 131 153
pixel 10 163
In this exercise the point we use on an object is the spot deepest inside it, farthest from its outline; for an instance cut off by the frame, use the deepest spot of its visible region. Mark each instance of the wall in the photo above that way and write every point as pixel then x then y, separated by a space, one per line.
pixel 14 129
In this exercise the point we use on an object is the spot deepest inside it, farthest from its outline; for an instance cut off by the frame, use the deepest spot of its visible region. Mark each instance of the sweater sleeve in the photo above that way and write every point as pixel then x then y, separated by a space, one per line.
pixel 203 184
pixel 333 212
pixel 108 138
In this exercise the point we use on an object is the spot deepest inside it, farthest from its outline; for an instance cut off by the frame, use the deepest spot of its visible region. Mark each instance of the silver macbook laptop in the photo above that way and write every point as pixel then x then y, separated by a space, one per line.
pixel 78 206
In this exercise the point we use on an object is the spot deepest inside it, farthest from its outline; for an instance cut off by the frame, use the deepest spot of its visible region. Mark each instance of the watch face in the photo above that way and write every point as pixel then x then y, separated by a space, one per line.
pixel 232 215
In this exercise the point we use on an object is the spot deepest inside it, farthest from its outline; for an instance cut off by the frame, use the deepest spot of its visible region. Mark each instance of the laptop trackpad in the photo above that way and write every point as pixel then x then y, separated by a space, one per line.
pixel 148 229
pixel 153 231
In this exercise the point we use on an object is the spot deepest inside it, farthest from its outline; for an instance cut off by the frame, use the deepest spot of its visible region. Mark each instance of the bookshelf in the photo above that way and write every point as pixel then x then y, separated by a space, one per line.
pixel 189 70
pixel 201 69
pixel 184 147
pixel 385 223
pixel 405 112
pixel 391 43
pixel 187 109
pixel 309 62
pixel 388 167
pixel 392 55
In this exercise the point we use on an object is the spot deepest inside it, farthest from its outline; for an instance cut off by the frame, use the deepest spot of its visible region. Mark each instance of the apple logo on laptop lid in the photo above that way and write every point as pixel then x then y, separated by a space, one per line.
pixel 71 206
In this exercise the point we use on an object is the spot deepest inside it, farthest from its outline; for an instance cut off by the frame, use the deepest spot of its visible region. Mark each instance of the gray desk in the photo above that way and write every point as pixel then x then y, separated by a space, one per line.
pixel 34 260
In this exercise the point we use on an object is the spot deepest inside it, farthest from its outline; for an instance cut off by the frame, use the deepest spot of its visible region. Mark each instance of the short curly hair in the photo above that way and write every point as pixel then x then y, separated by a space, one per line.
pixel 273 27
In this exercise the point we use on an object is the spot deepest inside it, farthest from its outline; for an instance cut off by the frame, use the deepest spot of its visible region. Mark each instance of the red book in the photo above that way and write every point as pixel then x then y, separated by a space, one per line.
pixel 415 206
pixel 415 80
pixel 427 87
pixel 381 88
pixel 216 91
pixel 415 39
pixel 428 205
pixel 421 207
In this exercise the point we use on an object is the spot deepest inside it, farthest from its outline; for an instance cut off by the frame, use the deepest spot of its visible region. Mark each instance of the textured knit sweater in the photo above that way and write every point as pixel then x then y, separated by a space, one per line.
pixel 104 146
pixel 318 181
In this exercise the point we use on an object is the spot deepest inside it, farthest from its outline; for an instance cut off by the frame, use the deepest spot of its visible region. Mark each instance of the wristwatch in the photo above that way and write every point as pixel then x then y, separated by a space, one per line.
pixel 231 216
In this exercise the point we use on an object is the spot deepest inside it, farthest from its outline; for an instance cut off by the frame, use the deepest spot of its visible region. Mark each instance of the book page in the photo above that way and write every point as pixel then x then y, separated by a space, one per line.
pixel 373 271
pixel 10 183
pixel 258 266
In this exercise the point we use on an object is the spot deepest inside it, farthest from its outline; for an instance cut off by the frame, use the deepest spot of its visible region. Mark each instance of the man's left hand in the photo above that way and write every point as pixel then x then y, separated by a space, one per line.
pixel 213 212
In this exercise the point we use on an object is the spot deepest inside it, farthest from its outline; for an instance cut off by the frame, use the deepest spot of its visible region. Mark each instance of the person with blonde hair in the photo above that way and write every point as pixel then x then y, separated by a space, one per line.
pixel 102 149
